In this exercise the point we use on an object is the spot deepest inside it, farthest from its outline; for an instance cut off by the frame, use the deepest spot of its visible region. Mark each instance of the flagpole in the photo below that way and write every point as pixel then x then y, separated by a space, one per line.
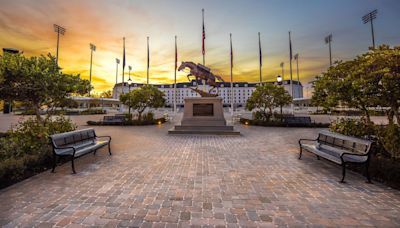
pixel 148 60
pixel 204 36
pixel 203 49
pixel 259 45
pixel 297 68
pixel 230 37
pixel 176 64
pixel 291 72
pixel 123 69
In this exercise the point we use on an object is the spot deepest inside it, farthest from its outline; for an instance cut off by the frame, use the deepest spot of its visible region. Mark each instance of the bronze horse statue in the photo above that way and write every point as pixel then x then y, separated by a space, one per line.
pixel 200 72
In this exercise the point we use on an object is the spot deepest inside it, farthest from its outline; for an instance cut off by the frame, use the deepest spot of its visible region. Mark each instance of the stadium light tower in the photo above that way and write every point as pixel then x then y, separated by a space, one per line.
pixel 369 17
pixel 59 30
pixel 92 49
pixel 328 40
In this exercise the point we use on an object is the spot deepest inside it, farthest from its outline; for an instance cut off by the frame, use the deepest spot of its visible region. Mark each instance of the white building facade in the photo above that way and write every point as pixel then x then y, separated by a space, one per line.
pixel 241 91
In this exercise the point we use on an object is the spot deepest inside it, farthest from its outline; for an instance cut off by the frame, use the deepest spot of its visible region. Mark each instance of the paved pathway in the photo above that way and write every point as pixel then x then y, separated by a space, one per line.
pixel 153 179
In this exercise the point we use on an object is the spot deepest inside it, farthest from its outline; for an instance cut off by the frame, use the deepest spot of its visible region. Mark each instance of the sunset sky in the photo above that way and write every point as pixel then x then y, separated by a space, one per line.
pixel 28 26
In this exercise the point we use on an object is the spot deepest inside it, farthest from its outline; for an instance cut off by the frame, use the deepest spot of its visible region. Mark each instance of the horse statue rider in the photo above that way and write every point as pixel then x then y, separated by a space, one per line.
pixel 201 72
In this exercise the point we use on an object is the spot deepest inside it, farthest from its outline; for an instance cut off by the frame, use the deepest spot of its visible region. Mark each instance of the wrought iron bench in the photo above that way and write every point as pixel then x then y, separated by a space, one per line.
pixel 76 144
pixel 339 149
pixel 114 119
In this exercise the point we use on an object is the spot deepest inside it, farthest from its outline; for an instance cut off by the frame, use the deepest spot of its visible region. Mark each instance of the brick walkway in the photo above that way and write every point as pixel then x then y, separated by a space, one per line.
pixel 158 180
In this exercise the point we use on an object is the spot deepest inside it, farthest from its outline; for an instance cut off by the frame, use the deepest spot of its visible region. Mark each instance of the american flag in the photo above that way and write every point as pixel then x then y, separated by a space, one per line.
pixel 176 55
pixel 259 46
pixel 231 51
pixel 204 36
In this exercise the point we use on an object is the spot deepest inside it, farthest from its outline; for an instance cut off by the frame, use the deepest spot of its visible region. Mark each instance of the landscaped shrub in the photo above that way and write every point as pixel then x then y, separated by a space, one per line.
pixel 389 138
pixel 352 127
pixel 134 122
pixel 149 116
pixel 279 123
pixel 26 150
pixel 92 112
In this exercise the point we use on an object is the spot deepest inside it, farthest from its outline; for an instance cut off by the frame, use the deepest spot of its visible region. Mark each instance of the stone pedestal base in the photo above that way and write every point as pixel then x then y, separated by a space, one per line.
pixel 203 115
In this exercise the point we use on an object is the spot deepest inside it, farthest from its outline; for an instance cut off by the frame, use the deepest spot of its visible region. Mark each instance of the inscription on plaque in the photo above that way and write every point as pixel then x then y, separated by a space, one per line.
pixel 203 109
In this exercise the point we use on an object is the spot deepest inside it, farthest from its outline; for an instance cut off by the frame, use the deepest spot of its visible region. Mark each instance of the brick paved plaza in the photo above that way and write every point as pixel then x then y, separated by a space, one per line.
pixel 154 179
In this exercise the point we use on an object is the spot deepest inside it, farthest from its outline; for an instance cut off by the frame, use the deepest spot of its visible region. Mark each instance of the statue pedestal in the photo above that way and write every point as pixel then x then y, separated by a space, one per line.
pixel 203 115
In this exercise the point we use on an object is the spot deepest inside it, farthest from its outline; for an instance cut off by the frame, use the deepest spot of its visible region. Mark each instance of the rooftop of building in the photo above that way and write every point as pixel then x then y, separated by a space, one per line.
pixel 220 84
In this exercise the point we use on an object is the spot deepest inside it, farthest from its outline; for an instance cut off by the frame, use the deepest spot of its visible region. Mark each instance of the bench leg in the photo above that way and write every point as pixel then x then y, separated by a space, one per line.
pixel 72 164
pixel 367 173
pixel 301 152
pixel 94 152
pixel 343 172
pixel 109 148
pixel 54 163
pixel 318 157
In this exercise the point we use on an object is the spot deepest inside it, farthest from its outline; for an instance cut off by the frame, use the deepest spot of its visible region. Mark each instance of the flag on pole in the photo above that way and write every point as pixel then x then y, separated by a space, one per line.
pixel 148 60
pixel 290 47
pixel 148 54
pixel 204 36
pixel 231 50
pixel 259 46
pixel 176 55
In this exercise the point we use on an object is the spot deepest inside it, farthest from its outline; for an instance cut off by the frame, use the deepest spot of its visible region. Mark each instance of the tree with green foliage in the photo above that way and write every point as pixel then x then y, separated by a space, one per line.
pixel 268 96
pixel 141 98
pixel 370 80
pixel 281 97
pixel 38 82
pixel 106 94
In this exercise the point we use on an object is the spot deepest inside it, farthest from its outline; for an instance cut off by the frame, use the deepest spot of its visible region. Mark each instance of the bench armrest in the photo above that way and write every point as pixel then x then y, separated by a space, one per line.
pixel 353 154
pixel 65 147
pixel 312 140
pixel 104 136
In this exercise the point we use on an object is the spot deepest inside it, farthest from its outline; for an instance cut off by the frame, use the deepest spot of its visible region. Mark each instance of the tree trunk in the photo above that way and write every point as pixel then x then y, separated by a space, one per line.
pixel 140 116
pixel 390 116
pixel 397 114
pixel 281 113
pixel 37 113
pixel 366 113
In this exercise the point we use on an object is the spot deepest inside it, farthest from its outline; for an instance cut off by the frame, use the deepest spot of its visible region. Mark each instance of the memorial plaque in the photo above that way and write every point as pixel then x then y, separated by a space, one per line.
pixel 203 110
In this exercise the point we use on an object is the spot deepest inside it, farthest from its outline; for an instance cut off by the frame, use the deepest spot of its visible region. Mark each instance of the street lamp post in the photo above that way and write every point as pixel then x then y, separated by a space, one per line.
pixel 279 79
pixel 59 30
pixel 283 69
pixel 92 49
pixel 369 17
pixel 328 40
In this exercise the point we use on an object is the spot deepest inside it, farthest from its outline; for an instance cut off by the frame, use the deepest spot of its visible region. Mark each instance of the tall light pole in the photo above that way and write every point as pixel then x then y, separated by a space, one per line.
pixel 59 30
pixel 92 49
pixel 116 74
pixel 328 40
pixel 369 17
pixel 283 69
